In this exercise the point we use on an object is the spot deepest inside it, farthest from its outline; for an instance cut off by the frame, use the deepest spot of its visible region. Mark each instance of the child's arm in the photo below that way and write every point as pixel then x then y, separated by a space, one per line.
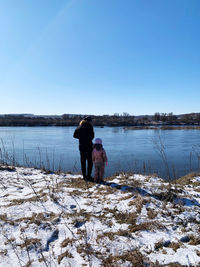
pixel 105 159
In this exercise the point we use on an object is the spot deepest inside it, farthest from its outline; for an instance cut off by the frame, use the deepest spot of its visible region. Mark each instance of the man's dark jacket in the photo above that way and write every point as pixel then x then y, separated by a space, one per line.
pixel 85 134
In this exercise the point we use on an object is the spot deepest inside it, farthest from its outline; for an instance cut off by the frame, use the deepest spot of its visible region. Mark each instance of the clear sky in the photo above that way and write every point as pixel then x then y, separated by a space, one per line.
pixel 99 56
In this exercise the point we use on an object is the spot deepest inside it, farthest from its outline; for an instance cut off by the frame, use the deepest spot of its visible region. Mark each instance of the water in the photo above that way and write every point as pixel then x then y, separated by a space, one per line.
pixel 138 151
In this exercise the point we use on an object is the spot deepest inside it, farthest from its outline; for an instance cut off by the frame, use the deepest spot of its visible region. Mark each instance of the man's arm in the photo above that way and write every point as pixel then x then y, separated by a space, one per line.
pixel 92 132
pixel 76 133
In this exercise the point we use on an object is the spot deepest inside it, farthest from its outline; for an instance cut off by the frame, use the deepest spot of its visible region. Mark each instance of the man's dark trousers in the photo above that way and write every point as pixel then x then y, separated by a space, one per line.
pixel 86 156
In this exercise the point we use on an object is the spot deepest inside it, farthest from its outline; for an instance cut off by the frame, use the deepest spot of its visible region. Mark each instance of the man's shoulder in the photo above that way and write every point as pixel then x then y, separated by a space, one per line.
pixel 88 126
pixel 78 128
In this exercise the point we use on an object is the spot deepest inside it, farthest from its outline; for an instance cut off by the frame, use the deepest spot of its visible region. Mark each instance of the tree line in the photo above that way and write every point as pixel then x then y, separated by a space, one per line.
pixel 116 119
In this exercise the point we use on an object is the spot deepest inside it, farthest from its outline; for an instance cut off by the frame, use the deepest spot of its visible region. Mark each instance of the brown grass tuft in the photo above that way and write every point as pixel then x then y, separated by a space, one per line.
pixel 134 257
pixel 66 242
pixel 151 213
pixel 110 235
pixel 79 183
pixel 138 202
pixel 145 226
pixel 128 217
pixel 63 255
pixel 158 245
pixel 29 263
pixel 187 179
pixel 194 240
pixel 174 245
pixel 30 243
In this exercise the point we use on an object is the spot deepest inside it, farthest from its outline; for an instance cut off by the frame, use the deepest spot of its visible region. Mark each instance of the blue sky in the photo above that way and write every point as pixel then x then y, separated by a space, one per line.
pixel 99 57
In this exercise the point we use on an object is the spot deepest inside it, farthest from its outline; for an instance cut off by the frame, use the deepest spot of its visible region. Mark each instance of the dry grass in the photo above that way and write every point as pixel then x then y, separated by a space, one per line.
pixel 128 217
pixel 67 242
pixel 15 202
pixel 187 179
pixel 109 190
pixel 133 183
pixel 179 208
pixel 151 213
pixel 175 265
pixel 138 202
pixel 46 217
pixel 40 197
pixel 126 197
pixel 81 232
pixel 158 245
pixel 150 175
pixel 63 255
pixel 109 235
pixel 9 240
pixel 124 233
pixel 110 178
pixel 79 183
pixel 174 246
pixel 194 240
pixel 134 257
pixel 83 213
pixel 85 249
pixel 168 195
pixel 30 243
pixel 75 192
pixel 29 263
pixel 106 190
pixel 145 226
pixel 198 253
pixel 3 252
pixel 3 217
pixel 38 219
pixel 7 168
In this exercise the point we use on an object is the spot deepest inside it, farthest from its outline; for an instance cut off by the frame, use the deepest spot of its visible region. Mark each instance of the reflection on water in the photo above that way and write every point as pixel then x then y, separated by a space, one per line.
pixel 117 129
pixel 146 151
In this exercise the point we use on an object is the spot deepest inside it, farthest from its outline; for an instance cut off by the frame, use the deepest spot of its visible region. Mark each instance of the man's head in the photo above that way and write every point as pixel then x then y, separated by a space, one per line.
pixel 88 118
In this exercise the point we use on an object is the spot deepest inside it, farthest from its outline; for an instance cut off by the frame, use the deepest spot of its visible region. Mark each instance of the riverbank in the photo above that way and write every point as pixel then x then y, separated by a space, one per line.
pixel 130 220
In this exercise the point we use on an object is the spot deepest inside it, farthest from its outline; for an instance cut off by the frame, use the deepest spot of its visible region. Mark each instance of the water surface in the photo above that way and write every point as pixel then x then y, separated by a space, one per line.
pixel 146 151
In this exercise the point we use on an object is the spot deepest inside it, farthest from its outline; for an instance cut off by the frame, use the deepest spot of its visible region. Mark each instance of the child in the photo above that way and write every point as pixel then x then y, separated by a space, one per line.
pixel 99 159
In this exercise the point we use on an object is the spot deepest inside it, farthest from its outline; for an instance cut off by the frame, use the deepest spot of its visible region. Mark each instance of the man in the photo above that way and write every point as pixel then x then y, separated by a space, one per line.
pixel 85 133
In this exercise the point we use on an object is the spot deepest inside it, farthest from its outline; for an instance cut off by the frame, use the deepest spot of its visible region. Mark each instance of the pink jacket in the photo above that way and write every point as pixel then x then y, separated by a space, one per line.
pixel 99 155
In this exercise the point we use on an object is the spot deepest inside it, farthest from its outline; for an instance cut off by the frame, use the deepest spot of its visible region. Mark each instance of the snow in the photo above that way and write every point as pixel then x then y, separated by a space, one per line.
pixel 60 220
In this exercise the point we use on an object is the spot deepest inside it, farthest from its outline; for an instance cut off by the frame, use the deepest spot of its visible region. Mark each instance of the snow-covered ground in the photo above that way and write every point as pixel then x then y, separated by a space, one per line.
pixel 131 220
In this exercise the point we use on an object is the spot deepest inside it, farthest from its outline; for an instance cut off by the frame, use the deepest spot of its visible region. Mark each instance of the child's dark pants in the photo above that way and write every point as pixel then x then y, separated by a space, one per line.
pixel 99 171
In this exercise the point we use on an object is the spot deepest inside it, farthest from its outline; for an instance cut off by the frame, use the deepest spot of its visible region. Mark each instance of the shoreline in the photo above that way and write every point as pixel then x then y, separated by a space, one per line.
pixel 165 127
pixel 126 127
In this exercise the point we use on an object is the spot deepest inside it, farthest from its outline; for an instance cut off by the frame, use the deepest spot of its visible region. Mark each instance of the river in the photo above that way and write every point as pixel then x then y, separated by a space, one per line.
pixel 169 153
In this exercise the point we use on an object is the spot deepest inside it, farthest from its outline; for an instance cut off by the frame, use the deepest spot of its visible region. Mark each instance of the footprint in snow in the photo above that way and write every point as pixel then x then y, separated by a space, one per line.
pixel 79 224
pixel 52 238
